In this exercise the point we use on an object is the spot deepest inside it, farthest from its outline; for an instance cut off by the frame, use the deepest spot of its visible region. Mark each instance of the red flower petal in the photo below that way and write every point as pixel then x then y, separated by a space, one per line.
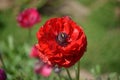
pixel 58 31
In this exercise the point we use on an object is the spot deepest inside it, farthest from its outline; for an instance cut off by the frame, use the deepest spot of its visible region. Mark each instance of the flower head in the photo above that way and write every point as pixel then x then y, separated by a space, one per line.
pixel 61 42
pixel 43 68
pixel 3 75
pixel 28 17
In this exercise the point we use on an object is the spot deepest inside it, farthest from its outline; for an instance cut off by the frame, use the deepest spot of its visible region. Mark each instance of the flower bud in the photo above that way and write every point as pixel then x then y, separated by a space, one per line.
pixel 57 69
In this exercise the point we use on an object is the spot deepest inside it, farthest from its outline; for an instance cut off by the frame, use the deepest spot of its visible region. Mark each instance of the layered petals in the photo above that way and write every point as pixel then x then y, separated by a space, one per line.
pixel 61 42
pixel 28 18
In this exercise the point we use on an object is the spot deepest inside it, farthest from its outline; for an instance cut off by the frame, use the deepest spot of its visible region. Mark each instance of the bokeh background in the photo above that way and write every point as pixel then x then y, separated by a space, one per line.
pixel 100 20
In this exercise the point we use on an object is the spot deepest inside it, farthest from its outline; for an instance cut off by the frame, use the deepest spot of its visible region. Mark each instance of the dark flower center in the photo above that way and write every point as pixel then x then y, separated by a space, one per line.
pixel 62 39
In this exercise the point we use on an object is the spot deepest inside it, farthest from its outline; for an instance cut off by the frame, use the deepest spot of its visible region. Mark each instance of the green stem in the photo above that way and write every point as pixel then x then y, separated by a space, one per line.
pixel 78 71
pixel 29 35
pixel 37 76
pixel 2 61
pixel 59 76
pixel 70 78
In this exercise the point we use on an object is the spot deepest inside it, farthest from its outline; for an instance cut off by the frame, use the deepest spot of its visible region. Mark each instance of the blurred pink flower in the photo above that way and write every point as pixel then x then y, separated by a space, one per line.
pixel 28 18
pixel 40 67
pixel 43 69
pixel 34 52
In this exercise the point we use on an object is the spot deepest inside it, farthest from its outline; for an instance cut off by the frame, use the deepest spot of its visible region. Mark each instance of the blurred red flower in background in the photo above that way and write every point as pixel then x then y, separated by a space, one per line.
pixel 61 42
pixel 28 18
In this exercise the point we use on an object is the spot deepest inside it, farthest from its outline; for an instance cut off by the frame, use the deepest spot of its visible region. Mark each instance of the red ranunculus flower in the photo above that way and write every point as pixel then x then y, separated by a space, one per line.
pixel 28 17
pixel 61 42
